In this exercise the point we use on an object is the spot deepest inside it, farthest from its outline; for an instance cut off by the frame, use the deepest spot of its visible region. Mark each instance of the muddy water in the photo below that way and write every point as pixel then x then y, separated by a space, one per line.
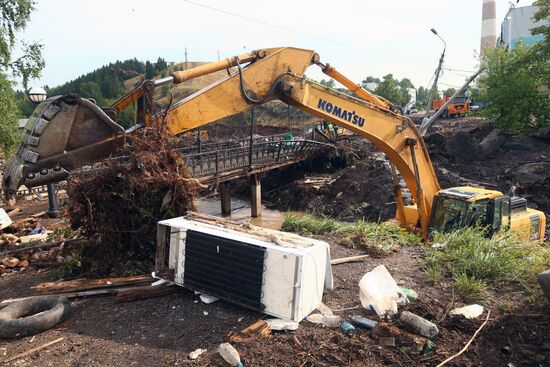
pixel 240 212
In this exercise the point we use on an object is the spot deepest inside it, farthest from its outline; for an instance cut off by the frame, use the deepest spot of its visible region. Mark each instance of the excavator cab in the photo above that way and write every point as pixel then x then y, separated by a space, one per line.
pixel 467 206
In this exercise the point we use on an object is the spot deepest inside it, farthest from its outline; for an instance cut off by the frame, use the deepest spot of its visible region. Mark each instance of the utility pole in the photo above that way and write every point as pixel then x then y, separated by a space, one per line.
pixel 218 55
pixel 437 73
pixel 185 57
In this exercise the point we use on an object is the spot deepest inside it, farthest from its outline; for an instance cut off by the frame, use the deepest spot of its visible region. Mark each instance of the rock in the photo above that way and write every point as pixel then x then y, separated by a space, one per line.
pixel 543 133
pixel 544 281
pixel 10 262
pixel 492 142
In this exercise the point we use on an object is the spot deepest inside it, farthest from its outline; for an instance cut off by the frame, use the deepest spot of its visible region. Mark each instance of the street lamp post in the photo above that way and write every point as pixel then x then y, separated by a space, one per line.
pixel 437 73
pixel 38 95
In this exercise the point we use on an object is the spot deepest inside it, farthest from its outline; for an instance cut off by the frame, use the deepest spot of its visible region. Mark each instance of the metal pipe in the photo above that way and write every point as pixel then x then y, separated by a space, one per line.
pixel 162 81
pixel 427 122
pixel 53 212
pixel 181 76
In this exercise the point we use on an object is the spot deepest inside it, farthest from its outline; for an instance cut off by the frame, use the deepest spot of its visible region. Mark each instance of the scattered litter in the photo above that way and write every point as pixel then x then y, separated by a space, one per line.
pixel 205 313
pixel 8 238
pixel 324 309
pixel 386 341
pixel 5 220
pixel 469 312
pixel 409 293
pixel 378 289
pixel 37 230
pixel 419 324
pixel 363 322
pixel 33 237
pixel 196 353
pixel 327 320
pixel 281 324
pixel 158 282
pixel 206 298
pixel 403 338
pixel 258 328
pixel 439 246
pixel 347 329
pixel 10 262
pixel 230 355
pixel 240 319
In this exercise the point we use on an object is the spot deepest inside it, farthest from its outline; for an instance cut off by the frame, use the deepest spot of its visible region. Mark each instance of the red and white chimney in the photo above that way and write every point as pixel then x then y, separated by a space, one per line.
pixel 488 26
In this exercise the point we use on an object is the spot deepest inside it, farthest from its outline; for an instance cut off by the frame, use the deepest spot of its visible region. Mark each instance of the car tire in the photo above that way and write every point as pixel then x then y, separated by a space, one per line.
pixel 32 316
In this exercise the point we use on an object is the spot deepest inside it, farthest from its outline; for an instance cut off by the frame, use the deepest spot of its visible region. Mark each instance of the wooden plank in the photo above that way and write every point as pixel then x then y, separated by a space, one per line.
pixel 138 293
pixel 84 284
pixel 350 259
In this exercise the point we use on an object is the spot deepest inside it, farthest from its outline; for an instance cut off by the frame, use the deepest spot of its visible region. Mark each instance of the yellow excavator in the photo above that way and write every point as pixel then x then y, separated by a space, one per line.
pixel 68 132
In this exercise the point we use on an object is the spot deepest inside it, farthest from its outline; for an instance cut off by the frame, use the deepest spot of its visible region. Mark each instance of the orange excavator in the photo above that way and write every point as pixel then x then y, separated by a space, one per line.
pixel 68 132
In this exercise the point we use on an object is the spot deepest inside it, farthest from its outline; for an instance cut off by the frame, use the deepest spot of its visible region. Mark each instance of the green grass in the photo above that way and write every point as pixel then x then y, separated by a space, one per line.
pixel 380 235
pixel 474 263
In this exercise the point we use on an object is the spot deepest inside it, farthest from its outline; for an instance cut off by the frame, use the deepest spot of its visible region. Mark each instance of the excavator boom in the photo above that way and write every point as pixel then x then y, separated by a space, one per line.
pixel 68 132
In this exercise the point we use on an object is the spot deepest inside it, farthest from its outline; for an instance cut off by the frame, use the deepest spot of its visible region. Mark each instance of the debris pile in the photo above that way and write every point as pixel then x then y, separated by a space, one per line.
pixel 121 206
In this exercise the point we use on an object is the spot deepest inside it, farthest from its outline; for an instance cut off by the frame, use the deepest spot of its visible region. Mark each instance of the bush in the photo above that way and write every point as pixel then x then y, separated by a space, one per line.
pixel 378 235
pixel 514 89
pixel 474 262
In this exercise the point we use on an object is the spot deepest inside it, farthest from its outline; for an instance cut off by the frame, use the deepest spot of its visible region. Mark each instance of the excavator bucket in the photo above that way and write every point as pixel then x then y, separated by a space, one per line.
pixel 63 133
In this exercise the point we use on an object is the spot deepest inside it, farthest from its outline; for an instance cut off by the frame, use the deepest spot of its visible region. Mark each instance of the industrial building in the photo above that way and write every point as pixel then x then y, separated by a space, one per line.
pixel 517 25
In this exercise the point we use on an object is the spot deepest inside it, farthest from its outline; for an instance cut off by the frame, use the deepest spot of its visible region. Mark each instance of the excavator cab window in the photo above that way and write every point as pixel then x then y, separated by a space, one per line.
pixel 450 214
pixel 499 214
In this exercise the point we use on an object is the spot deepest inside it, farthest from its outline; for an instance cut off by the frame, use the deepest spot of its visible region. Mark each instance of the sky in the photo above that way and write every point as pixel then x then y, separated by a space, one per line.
pixel 358 37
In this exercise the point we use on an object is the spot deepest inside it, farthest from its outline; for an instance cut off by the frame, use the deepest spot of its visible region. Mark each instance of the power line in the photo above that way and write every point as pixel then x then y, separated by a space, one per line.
pixel 298 32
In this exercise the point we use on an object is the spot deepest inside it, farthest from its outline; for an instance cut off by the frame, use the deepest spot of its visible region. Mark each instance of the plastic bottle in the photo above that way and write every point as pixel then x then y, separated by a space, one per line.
pixel 347 329
pixel 363 322
pixel 230 354
pixel 409 293
pixel 327 320
pixel 419 324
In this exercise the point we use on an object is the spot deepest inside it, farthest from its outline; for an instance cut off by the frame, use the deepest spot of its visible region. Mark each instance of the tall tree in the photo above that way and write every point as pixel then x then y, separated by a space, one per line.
pixel 390 89
pixel 149 70
pixel 514 89
pixel 14 16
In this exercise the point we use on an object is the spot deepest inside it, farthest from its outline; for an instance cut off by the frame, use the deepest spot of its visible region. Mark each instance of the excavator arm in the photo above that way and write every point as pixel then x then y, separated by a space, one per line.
pixel 68 132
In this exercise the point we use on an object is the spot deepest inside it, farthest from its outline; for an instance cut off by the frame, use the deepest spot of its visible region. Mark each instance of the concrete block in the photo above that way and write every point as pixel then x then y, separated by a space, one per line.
pixel 544 281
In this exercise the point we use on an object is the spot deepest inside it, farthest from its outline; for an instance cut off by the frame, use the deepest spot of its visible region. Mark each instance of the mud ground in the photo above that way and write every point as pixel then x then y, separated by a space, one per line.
pixel 162 331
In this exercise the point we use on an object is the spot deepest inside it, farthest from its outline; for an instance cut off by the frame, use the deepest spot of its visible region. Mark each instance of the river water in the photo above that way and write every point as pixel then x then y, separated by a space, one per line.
pixel 240 212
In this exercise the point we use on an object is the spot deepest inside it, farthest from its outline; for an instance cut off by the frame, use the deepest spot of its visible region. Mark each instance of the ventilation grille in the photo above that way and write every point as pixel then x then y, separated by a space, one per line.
pixel 518 204
pixel 224 268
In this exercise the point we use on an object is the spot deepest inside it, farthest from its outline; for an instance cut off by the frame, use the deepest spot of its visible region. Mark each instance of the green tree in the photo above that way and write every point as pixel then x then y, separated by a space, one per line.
pixel 161 65
pixel 422 98
pixel 91 90
pixel 514 89
pixel 14 16
pixel 328 83
pixel 542 49
pixel 149 70
pixel 390 89
pixel 371 79
pixel 449 92
pixel 9 114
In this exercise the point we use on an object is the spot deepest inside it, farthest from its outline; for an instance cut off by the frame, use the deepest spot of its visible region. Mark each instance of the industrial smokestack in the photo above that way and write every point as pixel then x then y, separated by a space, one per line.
pixel 488 26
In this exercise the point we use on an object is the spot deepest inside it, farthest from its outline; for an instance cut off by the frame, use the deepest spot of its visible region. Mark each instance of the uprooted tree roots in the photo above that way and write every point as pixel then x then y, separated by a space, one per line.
pixel 120 207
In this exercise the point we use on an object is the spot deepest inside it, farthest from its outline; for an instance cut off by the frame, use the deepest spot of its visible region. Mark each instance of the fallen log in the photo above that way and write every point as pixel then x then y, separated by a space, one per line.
pixel 84 284
pixel 350 259
pixel 138 293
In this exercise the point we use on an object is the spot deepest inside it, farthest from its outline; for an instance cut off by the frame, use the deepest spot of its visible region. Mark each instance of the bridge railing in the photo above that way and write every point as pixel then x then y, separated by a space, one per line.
pixel 263 153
